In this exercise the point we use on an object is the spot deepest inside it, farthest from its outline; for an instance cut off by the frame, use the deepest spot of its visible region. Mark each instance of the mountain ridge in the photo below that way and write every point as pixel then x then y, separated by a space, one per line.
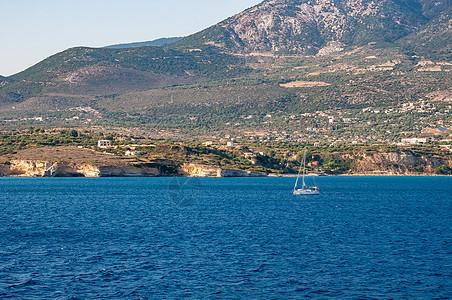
pixel 128 70
pixel 154 43
pixel 305 26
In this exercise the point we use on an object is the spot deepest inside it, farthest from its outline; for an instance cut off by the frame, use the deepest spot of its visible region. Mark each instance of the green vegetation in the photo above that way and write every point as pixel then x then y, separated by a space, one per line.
pixel 378 88
pixel 266 157
pixel 373 94
pixel 444 170
pixel 11 142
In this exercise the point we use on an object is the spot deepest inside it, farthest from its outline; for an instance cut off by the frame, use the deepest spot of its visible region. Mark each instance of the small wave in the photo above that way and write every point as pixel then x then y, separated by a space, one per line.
pixel 30 282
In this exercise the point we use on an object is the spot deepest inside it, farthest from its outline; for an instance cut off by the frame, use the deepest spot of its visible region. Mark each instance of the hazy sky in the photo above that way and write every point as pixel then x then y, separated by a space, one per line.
pixel 31 30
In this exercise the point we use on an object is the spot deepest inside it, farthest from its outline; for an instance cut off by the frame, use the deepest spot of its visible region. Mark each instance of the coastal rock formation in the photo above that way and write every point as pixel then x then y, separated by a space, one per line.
pixel 29 168
pixel 197 170
pixel 396 163
pixel 379 163
pixel 32 168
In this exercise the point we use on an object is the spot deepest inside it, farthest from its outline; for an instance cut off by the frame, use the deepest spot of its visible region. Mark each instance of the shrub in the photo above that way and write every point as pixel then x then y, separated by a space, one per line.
pixel 443 170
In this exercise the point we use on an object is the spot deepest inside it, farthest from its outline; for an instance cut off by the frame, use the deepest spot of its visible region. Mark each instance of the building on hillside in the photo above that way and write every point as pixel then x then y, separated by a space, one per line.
pixel 415 140
pixel 131 153
pixel 208 143
pixel 230 144
pixel 103 143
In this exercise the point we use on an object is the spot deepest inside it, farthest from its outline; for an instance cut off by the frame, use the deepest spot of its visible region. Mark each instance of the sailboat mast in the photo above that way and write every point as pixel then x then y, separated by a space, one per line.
pixel 304 167
pixel 298 176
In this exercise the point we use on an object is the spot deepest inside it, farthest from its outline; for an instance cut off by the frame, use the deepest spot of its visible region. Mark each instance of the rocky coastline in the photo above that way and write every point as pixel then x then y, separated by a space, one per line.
pixel 32 168
pixel 79 162
pixel 36 168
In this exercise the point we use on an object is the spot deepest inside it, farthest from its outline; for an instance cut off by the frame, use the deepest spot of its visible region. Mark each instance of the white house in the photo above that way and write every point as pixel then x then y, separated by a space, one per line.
pixel 230 144
pixel 131 153
pixel 103 143
pixel 249 154
pixel 415 140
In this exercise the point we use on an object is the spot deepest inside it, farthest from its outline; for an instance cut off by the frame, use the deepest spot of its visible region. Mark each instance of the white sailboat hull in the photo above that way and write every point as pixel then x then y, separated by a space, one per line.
pixel 306 192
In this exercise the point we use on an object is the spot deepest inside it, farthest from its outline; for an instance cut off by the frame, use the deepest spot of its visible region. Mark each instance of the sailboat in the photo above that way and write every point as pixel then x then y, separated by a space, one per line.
pixel 305 190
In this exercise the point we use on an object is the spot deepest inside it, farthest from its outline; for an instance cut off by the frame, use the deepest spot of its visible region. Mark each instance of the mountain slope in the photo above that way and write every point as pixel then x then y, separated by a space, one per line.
pixel 433 40
pixel 154 43
pixel 364 81
pixel 432 8
pixel 305 26
pixel 7 97
pixel 89 71
pixel 3 80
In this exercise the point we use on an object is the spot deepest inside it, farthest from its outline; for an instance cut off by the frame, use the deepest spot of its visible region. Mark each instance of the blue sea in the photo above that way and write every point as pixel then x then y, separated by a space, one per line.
pixel 225 238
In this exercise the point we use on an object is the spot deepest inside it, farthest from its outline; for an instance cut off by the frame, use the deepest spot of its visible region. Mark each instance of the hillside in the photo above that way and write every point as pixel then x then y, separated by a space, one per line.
pixel 342 102
pixel 36 152
pixel 154 43
pixel 434 40
pixel 89 71
pixel 288 70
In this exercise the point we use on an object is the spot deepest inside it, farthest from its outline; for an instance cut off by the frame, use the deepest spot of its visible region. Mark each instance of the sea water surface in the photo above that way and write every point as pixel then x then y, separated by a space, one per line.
pixel 225 238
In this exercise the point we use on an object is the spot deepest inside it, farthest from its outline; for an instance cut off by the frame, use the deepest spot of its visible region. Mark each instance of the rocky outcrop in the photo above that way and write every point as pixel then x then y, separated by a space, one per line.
pixel 396 163
pixel 198 170
pixel 29 168
pixel 305 27
pixel 380 163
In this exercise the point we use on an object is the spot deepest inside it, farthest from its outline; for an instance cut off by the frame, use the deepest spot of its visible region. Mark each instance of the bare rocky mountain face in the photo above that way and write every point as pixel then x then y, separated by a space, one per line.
pixel 306 26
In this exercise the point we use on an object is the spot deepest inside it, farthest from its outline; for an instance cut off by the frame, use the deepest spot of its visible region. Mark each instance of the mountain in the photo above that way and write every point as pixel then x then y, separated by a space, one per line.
pixel 92 71
pixel 433 40
pixel 153 43
pixel 314 69
pixel 305 26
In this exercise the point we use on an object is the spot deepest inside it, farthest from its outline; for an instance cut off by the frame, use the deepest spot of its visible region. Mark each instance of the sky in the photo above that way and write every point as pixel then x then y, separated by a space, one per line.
pixel 32 30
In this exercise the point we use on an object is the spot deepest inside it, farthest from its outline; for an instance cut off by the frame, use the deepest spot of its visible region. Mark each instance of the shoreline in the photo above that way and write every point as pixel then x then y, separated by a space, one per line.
pixel 262 176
